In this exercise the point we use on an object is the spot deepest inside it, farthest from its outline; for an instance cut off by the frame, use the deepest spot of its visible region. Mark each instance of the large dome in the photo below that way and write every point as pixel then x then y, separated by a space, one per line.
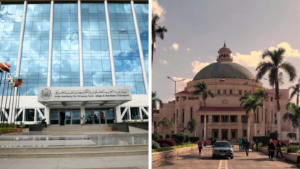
pixel 224 70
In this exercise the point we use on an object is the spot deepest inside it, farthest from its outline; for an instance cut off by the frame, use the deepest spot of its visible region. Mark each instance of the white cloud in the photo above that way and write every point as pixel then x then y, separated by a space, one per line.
pixel 253 59
pixel 198 66
pixel 175 46
pixel 181 85
pixel 157 9
pixel 164 49
pixel 188 49
pixel 164 62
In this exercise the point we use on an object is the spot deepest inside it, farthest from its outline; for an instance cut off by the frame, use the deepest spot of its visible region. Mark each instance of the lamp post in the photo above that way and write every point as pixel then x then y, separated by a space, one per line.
pixel 175 100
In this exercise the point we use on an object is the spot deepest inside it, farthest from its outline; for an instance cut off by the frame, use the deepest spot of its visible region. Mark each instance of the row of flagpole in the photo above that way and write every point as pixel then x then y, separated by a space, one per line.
pixel 14 99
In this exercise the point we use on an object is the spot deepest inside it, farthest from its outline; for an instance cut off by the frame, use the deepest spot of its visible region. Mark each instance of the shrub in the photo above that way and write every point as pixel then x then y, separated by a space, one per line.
pixel 165 145
pixel 168 141
pixel 155 136
pixel 260 144
pixel 155 145
pixel 265 140
pixel 194 139
pixel 298 152
pixel 292 149
pixel 284 149
pixel 168 136
pixel 162 136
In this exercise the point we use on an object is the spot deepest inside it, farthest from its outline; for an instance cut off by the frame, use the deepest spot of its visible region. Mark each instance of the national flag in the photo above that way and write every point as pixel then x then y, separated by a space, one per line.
pixel 222 80
pixel 246 84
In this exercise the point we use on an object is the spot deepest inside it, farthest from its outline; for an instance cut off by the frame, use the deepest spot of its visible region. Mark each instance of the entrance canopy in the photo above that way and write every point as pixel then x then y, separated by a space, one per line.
pixel 84 96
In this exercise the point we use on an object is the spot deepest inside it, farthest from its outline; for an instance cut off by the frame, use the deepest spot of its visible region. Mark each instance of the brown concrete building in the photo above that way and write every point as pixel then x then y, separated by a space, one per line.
pixel 225 118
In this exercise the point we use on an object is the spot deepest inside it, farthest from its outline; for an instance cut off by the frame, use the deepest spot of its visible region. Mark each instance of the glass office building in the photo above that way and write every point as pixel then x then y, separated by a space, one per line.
pixel 90 46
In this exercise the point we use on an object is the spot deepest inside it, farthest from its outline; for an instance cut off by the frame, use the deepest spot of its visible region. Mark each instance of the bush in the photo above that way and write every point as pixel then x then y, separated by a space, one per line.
pixel 165 145
pixel 155 136
pixel 168 141
pixel 155 145
pixel 168 136
pixel 260 144
pixel 265 140
pixel 194 139
pixel 162 136
pixel 292 149
pixel 284 149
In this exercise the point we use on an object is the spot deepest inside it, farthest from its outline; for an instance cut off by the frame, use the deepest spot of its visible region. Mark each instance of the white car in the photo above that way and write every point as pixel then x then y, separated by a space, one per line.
pixel 222 149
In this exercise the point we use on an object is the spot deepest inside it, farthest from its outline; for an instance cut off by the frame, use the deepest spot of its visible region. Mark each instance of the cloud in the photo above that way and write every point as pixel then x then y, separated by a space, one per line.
pixel 181 85
pixel 253 59
pixel 198 66
pixel 157 9
pixel 164 49
pixel 188 49
pixel 175 46
pixel 164 62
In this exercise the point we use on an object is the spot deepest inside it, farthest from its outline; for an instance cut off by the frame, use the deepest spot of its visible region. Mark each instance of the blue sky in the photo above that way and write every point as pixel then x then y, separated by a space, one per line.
pixel 197 30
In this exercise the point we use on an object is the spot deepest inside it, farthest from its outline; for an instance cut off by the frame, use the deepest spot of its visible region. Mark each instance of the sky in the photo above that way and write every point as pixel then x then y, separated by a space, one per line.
pixel 197 29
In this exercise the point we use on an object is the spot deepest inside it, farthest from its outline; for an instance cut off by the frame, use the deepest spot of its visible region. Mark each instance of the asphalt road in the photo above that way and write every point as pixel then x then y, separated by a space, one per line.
pixel 255 160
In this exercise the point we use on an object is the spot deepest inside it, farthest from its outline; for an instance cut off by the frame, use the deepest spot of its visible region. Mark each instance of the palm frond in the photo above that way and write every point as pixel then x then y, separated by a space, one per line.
pixel 263 68
pixel 289 69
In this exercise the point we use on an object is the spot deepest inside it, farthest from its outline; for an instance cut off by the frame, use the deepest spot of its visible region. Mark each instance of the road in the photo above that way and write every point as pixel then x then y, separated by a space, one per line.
pixel 255 160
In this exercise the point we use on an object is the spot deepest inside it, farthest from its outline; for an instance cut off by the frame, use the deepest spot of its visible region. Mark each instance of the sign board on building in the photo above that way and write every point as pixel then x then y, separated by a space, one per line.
pixel 103 93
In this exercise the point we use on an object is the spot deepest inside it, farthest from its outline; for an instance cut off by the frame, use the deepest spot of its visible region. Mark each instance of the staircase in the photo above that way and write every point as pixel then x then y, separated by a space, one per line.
pixel 75 129
pixel 88 151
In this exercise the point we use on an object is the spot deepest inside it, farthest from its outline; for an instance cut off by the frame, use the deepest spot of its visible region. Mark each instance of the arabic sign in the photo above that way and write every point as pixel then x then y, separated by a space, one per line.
pixel 84 93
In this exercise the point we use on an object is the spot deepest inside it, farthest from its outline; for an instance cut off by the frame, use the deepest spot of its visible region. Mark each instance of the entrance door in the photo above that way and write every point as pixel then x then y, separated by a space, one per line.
pixel 102 116
pixel 224 134
pixel 62 117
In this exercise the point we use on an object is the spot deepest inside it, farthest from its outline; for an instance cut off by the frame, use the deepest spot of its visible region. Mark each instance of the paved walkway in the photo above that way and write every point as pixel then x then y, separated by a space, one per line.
pixel 124 162
pixel 255 160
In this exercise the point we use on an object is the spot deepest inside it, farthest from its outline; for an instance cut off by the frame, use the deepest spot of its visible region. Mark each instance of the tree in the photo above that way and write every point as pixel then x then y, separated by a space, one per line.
pixel 262 95
pixel 155 103
pixel 251 105
pixel 244 98
pixel 273 67
pixel 295 91
pixel 293 117
pixel 157 31
pixel 168 123
pixel 201 89
pixel 192 126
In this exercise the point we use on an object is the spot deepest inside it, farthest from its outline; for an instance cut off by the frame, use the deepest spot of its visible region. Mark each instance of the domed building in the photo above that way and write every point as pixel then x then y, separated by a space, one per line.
pixel 225 119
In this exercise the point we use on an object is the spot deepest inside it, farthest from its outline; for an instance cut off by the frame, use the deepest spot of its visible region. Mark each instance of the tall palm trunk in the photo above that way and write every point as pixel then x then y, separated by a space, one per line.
pixel 278 110
pixel 297 99
pixel 204 104
pixel 152 51
pixel 264 116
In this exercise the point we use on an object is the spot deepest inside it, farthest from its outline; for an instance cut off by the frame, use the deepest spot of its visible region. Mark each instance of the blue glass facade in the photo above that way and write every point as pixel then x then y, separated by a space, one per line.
pixel 65 59
pixel 10 27
pixel 125 49
pixel 96 63
pixel 35 48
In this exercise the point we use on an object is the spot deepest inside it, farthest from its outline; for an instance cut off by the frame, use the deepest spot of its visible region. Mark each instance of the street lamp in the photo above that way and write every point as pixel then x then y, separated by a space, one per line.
pixel 175 100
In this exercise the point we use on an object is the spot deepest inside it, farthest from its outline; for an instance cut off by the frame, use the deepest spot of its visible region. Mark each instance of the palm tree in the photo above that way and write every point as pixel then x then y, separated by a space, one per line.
pixel 168 123
pixel 156 104
pixel 192 126
pixel 244 98
pixel 251 105
pixel 262 95
pixel 157 31
pixel 293 117
pixel 201 89
pixel 272 68
pixel 295 91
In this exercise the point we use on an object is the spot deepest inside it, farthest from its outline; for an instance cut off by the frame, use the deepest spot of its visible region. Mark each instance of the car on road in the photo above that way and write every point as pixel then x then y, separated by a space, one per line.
pixel 222 149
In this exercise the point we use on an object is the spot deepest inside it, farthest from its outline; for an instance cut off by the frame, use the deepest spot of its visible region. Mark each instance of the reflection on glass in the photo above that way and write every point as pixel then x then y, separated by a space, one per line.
pixel 68 117
pixel 29 114
pixel 125 117
pixel 135 113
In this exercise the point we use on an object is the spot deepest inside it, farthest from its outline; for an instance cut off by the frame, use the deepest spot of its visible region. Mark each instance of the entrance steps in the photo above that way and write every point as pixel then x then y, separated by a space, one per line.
pixel 76 128
pixel 88 151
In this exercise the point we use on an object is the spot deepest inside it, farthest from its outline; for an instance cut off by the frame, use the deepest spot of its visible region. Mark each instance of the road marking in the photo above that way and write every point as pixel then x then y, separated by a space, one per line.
pixel 220 164
pixel 226 164
pixel 223 164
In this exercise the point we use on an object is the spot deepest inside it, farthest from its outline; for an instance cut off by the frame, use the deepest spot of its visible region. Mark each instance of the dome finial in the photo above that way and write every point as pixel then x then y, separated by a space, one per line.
pixel 224 43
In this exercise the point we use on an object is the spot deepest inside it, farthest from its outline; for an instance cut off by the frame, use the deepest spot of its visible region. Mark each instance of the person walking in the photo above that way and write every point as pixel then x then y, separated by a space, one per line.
pixel 278 149
pixel 243 142
pixel 271 149
pixel 200 146
pixel 240 144
pixel 256 144
pixel 252 144
pixel 247 145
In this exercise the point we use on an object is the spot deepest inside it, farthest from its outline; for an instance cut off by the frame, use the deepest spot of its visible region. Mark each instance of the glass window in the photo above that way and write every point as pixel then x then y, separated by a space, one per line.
pixel 135 113
pixel 144 115
pixel 29 114
pixel 20 117
pixel 126 116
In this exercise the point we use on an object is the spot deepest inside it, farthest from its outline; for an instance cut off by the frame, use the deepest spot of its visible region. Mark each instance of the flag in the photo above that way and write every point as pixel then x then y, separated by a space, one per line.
pixel 222 80
pixel 246 84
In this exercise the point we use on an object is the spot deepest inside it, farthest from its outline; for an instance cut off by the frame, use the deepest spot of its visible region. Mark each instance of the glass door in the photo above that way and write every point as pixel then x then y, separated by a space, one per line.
pixel 102 116
pixel 68 117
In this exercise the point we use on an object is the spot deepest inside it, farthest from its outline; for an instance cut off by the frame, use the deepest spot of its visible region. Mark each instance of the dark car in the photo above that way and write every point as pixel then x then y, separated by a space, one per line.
pixel 222 149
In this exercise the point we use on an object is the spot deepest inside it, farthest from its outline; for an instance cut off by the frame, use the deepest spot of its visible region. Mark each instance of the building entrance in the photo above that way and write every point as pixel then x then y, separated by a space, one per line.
pixel 99 116
pixel 62 117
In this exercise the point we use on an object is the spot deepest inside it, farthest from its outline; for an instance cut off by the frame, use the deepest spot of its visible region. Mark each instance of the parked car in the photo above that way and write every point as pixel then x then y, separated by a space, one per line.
pixel 222 149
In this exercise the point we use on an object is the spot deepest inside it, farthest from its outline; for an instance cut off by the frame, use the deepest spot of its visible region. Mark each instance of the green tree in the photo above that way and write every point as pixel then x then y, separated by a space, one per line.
pixel 293 116
pixel 243 99
pixel 157 31
pixel 168 123
pixel 156 104
pixel 262 95
pixel 251 105
pixel 295 92
pixel 201 89
pixel 192 126
pixel 273 68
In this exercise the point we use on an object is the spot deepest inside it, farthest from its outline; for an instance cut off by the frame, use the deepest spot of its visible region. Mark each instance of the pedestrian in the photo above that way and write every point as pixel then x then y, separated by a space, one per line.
pixel 256 144
pixel 271 149
pixel 278 148
pixel 200 146
pixel 243 143
pixel 252 144
pixel 240 144
pixel 247 145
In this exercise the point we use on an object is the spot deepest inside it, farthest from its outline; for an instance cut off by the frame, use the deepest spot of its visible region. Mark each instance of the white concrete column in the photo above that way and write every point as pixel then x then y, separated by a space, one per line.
pixel 118 116
pixel 111 56
pixel 82 112
pixel 138 38
pixel 80 44
pixel 47 114
pixel 49 70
